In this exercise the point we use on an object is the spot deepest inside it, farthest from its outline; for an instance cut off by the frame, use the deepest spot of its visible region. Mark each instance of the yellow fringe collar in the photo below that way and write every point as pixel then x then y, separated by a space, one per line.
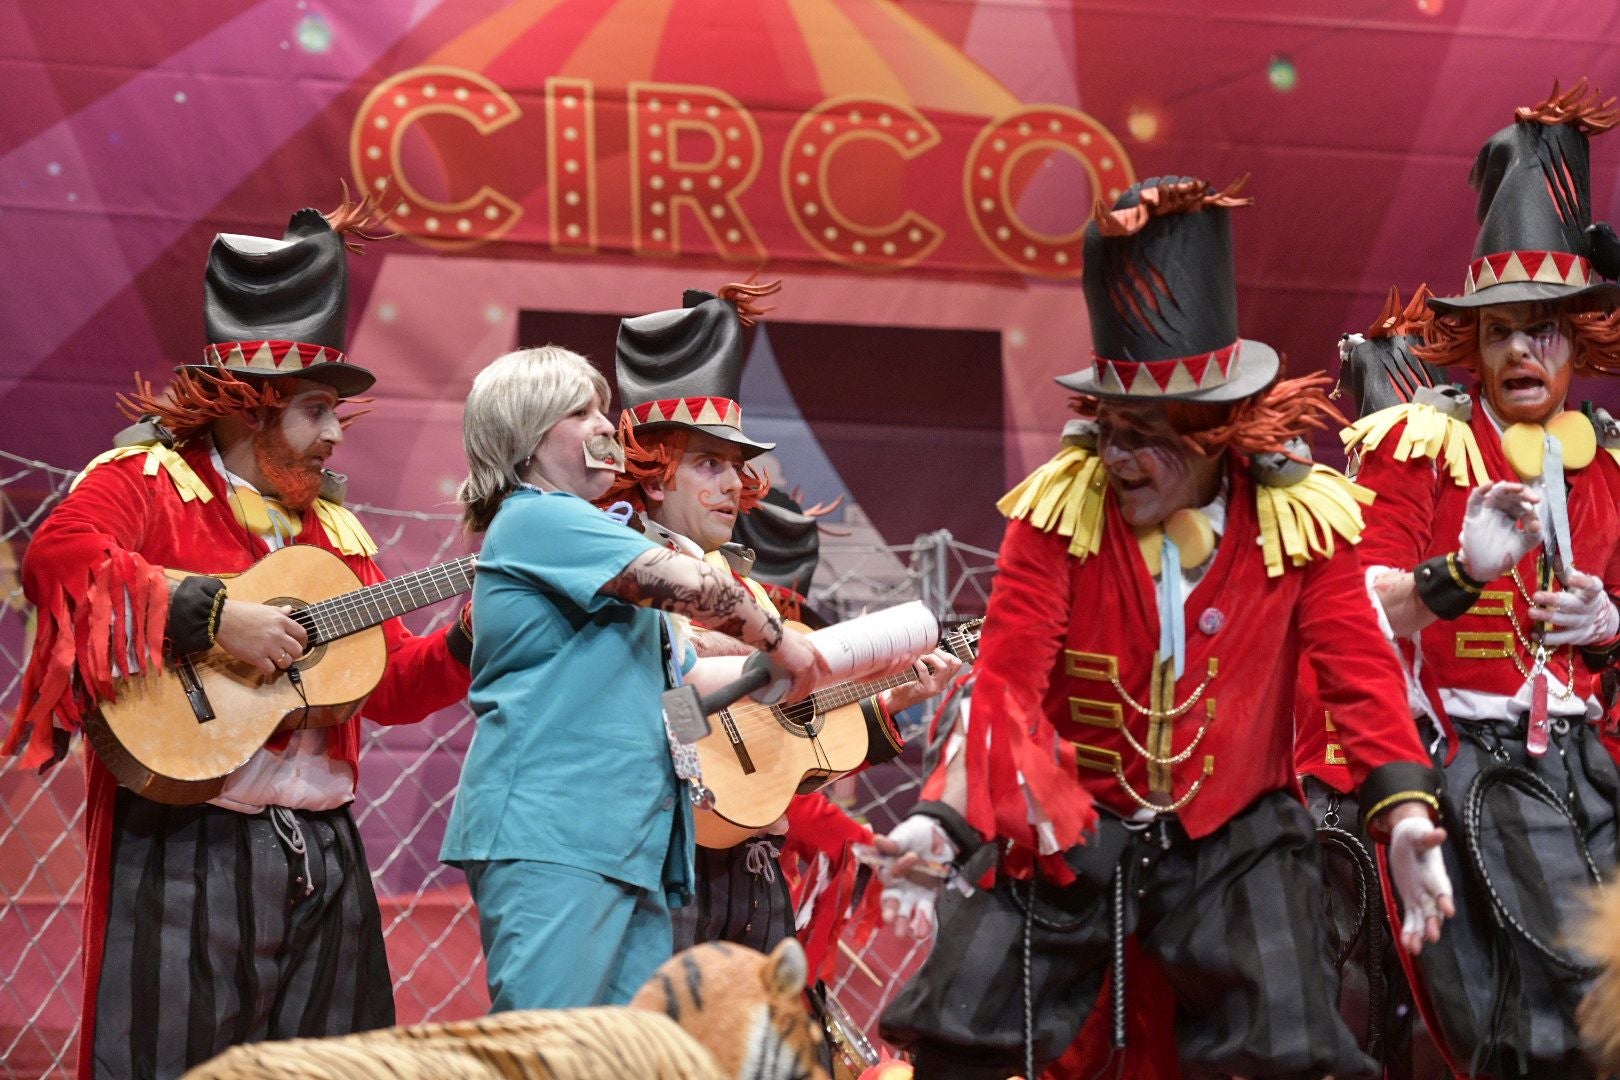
pixel 1429 433
pixel 1297 522
pixel 343 530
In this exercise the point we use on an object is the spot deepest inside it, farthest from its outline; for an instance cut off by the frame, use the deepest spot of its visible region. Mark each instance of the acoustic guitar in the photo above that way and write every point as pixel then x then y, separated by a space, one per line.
pixel 757 757
pixel 176 735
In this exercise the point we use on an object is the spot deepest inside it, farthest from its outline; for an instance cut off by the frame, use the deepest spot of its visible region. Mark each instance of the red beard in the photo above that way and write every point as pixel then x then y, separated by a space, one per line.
pixel 296 477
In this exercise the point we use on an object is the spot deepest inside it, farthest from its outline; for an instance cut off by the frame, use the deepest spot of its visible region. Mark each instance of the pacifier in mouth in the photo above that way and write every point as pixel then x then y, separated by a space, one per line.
pixel 604 452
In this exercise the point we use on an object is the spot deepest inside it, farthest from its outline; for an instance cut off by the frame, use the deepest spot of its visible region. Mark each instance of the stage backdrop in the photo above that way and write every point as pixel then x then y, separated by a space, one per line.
pixel 916 172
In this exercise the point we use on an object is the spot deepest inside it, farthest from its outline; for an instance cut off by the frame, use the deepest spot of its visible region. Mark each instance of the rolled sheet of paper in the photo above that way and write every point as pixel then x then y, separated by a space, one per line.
pixel 867 644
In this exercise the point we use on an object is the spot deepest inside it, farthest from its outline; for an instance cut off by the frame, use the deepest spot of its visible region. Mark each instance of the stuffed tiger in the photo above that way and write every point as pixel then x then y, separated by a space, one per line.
pixel 714 1012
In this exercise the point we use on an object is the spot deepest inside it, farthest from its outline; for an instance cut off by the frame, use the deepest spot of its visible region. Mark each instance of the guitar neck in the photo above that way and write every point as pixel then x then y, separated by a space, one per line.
pixel 351 612
pixel 841 694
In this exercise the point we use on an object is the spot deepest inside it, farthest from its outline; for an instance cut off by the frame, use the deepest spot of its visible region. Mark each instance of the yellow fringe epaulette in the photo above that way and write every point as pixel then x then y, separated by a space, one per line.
pixel 343 529
pixel 1064 496
pixel 1614 452
pixel 1429 433
pixel 1299 521
pixel 186 481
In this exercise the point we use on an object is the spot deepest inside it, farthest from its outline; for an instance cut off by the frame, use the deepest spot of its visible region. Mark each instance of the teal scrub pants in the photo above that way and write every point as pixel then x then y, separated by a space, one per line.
pixel 558 937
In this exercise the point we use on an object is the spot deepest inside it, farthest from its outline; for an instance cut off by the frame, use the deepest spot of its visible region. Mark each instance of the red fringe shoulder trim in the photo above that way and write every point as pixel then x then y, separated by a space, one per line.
pixel 81 646
pixel 1016 763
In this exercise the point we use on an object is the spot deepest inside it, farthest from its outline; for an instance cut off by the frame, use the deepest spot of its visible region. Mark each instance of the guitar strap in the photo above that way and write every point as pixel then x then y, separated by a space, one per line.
pixel 684 755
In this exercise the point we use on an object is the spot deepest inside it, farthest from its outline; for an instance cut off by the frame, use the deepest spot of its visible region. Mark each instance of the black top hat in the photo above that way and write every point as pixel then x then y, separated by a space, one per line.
pixel 1379 368
pixel 1162 295
pixel 279 308
pixel 681 369
pixel 1536 237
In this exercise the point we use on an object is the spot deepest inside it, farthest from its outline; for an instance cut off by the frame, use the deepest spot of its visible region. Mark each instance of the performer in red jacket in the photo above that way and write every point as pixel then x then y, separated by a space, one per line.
pixel 1129 753
pixel 251 916
pixel 1494 548
pixel 688 477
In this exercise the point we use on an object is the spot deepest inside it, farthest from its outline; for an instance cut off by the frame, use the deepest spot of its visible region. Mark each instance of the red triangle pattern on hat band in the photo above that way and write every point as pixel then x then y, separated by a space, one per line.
pixel 270 356
pixel 688 410
pixel 1157 378
pixel 1552 267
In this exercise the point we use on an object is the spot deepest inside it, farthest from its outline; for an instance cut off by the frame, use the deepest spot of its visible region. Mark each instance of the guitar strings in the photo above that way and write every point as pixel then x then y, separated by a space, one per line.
pixel 753 717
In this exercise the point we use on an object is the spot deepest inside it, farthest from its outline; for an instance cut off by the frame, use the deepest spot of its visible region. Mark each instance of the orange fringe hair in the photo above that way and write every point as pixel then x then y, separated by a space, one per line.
pixel 198 398
pixel 656 457
pixel 1261 424
pixel 1452 338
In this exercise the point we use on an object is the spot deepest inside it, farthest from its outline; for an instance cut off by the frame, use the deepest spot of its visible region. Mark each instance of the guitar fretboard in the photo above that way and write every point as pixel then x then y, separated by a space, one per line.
pixel 352 612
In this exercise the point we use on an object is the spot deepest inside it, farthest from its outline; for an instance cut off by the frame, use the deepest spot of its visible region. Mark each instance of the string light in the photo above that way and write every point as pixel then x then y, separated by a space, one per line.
pixel 1282 74
pixel 1144 122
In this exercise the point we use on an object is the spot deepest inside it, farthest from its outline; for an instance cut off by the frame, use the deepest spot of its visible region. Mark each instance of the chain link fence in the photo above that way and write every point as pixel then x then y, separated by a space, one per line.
pixel 407 779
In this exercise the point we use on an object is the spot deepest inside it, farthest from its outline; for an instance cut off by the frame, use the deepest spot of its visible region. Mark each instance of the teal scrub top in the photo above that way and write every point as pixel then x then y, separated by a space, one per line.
pixel 569 763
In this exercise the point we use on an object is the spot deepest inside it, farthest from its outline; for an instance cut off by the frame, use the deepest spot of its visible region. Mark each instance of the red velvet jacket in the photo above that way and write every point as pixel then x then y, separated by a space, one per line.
pixel 115 509
pixel 1061 630
pixel 1418 515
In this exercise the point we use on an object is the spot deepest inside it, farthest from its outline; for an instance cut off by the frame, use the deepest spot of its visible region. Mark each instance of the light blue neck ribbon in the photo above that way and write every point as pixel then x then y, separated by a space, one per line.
pixel 1552 479
pixel 1172 609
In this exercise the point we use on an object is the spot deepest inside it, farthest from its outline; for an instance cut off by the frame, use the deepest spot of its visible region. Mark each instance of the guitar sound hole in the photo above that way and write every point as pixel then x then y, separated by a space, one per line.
pixel 313 656
pixel 793 717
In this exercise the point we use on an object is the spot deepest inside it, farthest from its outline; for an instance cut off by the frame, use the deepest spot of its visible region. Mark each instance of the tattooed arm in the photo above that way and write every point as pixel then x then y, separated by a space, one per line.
pixel 671 581
pixel 709 643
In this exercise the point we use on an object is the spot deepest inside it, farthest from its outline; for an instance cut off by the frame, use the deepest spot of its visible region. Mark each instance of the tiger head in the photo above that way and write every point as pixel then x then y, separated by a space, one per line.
pixel 745 1008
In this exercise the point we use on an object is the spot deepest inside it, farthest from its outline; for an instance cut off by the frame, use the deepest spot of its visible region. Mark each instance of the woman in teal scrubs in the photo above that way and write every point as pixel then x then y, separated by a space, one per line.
pixel 570 822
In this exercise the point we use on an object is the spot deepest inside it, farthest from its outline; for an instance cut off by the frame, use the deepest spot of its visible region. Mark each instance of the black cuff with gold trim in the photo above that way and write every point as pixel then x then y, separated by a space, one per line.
pixel 194 608
pixel 956 827
pixel 883 741
pixel 1445 587
pixel 1396 782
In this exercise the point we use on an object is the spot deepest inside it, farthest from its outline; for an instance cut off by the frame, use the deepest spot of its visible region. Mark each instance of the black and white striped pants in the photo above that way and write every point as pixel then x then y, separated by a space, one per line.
pixel 1233 919
pixel 219 932
pixel 1504 1007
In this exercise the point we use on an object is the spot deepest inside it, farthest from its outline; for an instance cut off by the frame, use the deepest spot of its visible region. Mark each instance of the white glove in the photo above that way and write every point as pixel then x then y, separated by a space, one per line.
pixel 1499 528
pixel 1420 879
pixel 1581 614
pixel 908 903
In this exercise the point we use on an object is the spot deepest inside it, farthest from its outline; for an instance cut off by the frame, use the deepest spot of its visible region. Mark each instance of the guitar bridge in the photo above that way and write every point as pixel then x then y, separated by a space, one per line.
pixel 195 696
pixel 735 738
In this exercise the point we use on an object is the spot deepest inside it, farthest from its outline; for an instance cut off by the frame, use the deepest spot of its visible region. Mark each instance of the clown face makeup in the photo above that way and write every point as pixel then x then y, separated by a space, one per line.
pixel 1152 472
pixel 702 500
pixel 1525 368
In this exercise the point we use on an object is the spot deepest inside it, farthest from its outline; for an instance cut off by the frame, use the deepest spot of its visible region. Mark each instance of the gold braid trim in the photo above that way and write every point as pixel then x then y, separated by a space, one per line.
pixel 1298 522
pixel 343 529
pixel 1065 496
pixel 1401 796
pixel 158 456
pixel 1429 433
